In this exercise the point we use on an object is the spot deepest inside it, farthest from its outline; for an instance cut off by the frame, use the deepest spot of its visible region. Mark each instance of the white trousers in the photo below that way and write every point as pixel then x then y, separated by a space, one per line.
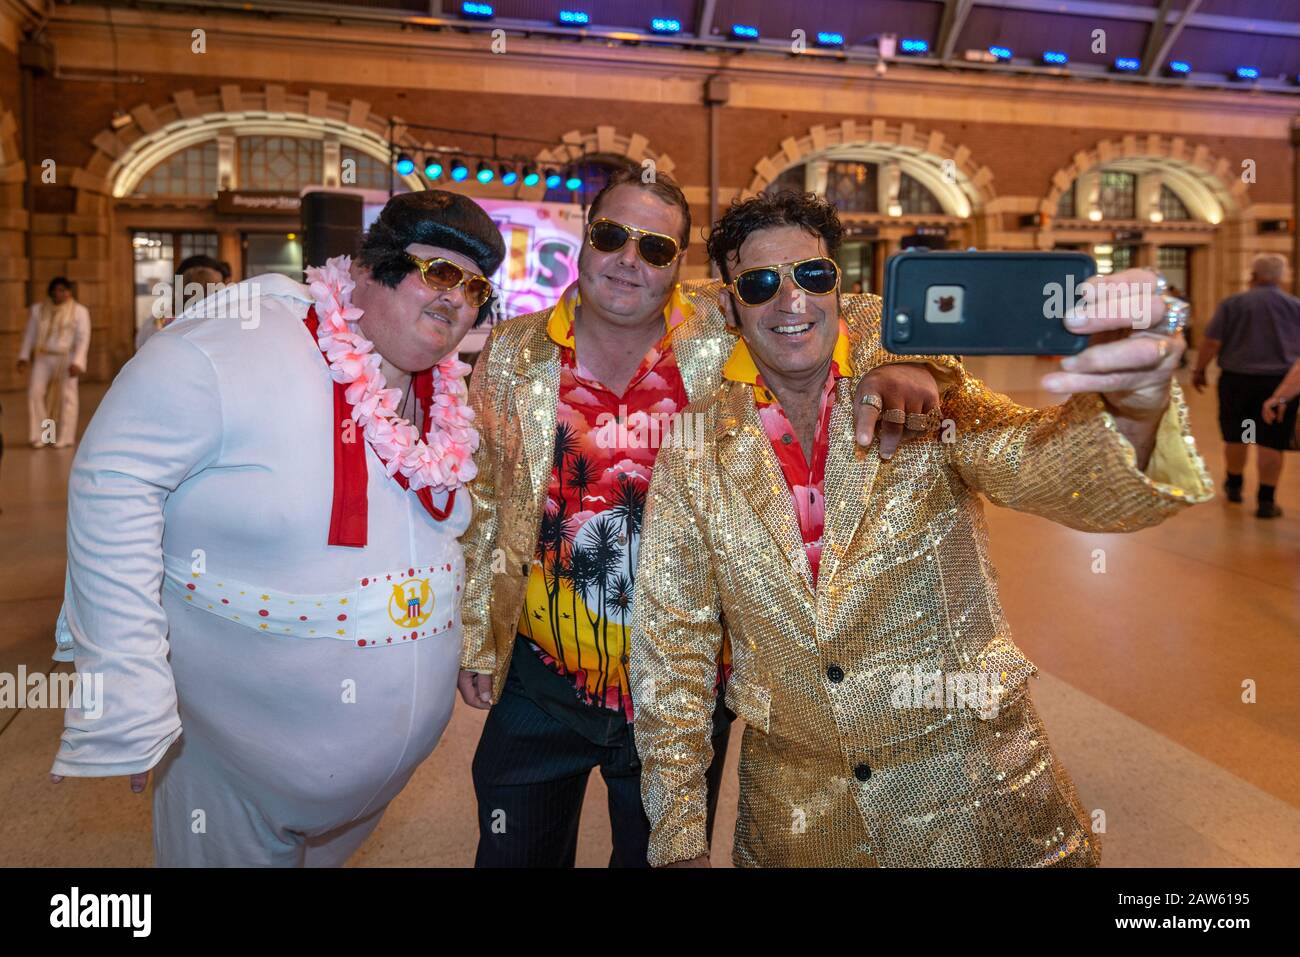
pixel 291 749
pixel 46 369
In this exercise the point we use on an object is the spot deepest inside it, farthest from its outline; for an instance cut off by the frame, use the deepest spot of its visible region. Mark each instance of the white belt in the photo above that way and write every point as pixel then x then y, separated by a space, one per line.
pixel 388 608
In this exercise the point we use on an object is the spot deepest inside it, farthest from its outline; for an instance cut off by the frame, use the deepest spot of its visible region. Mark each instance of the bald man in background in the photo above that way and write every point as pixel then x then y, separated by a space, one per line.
pixel 1255 335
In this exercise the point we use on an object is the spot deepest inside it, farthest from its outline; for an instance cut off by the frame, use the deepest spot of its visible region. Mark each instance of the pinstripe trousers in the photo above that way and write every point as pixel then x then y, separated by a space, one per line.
pixel 530 777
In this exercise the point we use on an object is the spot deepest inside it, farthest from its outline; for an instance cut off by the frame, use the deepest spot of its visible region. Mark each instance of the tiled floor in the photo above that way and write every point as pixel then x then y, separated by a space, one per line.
pixel 1141 686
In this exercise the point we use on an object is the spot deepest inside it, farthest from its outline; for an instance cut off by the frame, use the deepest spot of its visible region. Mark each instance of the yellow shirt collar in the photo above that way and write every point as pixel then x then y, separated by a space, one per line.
pixel 740 366
pixel 559 327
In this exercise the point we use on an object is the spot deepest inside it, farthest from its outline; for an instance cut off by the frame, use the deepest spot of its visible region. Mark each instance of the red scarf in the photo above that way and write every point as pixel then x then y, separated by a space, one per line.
pixel 348 517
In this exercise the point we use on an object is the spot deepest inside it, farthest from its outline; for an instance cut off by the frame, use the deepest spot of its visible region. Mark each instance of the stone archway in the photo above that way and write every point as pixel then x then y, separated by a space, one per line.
pixel 1213 190
pixel 1201 169
pixel 576 145
pixel 947 169
pixel 77 243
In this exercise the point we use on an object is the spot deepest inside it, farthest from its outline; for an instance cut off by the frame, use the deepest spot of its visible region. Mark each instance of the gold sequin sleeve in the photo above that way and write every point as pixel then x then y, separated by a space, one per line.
pixel 1069 463
pixel 478 651
pixel 861 313
pixel 677 637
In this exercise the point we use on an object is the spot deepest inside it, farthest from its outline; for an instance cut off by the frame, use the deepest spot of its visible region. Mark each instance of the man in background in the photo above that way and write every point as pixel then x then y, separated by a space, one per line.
pixel 1256 337
pixel 55 346
pixel 196 272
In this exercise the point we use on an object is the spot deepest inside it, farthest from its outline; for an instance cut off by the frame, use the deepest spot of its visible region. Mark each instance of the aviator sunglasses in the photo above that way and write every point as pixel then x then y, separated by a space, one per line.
pixel 439 273
pixel 607 236
pixel 753 287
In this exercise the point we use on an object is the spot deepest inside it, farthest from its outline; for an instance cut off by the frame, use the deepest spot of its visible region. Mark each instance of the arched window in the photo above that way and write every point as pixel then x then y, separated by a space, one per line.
pixel 362 170
pixel 791 180
pixel 916 199
pixel 1172 207
pixel 1118 195
pixel 279 163
pixel 853 186
pixel 188 172
pixel 1065 208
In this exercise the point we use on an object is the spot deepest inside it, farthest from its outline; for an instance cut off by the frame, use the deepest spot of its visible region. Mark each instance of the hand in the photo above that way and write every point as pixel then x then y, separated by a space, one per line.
pixel 701 861
pixel 1275 407
pixel 75 370
pixel 904 385
pixel 475 688
pixel 22 365
pixel 1131 363
pixel 137 781
pixel 1198 380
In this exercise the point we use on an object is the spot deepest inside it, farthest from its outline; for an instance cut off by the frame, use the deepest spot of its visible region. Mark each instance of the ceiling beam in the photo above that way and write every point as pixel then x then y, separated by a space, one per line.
pixel 704 18
pixel 1154 34
pixel 955 13
pixel 1156 60
pixel 1126 11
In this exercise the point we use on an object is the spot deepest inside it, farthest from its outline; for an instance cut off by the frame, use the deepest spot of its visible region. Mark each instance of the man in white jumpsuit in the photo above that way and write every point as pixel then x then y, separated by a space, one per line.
pixel 55 345
pixel 311 611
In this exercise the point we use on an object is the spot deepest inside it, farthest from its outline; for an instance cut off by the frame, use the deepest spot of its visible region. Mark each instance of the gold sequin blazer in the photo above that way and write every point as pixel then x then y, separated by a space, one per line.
pixel 514 392
pixel 836 768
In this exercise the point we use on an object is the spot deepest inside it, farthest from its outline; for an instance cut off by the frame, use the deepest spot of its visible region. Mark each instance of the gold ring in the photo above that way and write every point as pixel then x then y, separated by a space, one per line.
pixel 873 400
pixel 897 416
pixel 917 421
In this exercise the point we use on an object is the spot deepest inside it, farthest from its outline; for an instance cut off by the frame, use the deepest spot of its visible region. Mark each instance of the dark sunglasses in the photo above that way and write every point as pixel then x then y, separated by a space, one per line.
pixel 607 236
pixel 439 273
pixel 753 287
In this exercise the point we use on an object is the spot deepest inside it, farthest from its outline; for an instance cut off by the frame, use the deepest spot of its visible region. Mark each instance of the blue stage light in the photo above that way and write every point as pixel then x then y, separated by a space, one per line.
pixel 1002 53
pixel 432 168
pixel 1055 58
pixel 476 11
pixel 574 17
pixel 742 31
pixel 531 176
pixel 484 173
pixel 508 176
pixel 573 182
pixel 665 25
pixel 1247 73
pixel 1181 67
pixel 459 170
pixel 829 38
pixel 552 179
pixel 405 165
pixel 909 45
pixel 1128 64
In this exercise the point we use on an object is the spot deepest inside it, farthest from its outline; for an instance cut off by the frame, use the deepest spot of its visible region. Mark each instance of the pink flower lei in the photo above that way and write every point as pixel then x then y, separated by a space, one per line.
pixel 444 461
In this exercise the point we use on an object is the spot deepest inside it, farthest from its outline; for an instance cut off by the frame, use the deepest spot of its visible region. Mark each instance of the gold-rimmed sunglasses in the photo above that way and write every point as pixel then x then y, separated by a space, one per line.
pixel 818 276
pixel 608 236
pixel 439 273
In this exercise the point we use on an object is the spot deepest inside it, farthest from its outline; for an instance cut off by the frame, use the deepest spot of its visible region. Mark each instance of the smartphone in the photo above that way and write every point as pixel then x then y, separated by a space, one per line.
pixel 982 303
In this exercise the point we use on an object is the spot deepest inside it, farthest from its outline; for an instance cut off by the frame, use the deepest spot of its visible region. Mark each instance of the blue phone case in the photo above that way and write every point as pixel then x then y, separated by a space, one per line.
pixel 982 303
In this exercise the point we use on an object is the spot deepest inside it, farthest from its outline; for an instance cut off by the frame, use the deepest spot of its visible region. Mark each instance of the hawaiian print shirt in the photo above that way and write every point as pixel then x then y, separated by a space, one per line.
pixel 578 609
pixel 805 480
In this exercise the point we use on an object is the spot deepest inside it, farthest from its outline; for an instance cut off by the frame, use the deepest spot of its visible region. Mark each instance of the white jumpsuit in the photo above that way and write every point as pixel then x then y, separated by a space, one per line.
pixel 50 361
pixel 278 737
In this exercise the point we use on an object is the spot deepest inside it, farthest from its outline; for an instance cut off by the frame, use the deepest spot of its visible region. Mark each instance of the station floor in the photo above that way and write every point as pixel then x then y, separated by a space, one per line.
pixel 1142 671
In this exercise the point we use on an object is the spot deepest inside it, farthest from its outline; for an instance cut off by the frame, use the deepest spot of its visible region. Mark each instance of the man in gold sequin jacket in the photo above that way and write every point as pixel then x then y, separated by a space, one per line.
pixel 550 554
pixel 887 712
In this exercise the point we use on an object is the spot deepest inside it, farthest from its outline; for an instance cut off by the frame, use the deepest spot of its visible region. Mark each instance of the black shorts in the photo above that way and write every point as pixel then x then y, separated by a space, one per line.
pixel 1241 401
